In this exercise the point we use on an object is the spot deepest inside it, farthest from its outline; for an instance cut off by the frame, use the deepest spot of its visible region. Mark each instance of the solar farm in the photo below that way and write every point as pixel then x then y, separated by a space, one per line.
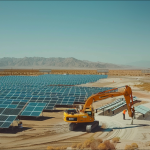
pixel 30 95
pixel 40 101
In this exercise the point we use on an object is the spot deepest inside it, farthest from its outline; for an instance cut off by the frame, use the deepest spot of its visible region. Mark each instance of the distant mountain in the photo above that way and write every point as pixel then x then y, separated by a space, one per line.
pixel 140 64
pixel 54 63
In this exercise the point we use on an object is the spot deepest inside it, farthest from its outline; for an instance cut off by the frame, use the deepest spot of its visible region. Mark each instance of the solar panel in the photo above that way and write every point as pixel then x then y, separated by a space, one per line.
pixel 3 105
pixel 6 120
pixel 142 109
pixel 11 111
pixel 33 109
pixel 1 110
pixel 5 124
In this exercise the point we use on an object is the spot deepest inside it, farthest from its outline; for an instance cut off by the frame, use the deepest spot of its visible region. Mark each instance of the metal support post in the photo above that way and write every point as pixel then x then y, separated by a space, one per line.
pixel 132 121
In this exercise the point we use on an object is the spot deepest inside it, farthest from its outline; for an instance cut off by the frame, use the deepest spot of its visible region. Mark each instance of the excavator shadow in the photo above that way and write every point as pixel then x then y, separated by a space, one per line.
pixel 106 129
pixel 134 126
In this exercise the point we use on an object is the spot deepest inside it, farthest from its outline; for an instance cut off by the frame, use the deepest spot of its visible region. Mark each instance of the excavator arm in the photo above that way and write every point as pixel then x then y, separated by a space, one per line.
pixel 127 92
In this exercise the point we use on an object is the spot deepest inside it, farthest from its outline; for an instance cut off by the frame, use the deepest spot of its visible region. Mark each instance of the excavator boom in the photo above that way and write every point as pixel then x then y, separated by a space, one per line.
pixel 127 93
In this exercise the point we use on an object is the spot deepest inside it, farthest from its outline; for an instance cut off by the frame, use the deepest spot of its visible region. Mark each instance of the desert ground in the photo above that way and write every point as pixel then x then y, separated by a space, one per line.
pixel 51 130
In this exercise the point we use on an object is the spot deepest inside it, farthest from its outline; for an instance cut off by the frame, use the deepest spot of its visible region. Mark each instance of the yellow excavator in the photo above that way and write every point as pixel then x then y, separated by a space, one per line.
pixel 86 115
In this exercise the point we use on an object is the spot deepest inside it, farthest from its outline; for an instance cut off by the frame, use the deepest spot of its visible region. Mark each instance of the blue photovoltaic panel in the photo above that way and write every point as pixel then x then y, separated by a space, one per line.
pixel 142 109
pixel 6 120
pixel 3 105
pixel 9 111
pixel 33 109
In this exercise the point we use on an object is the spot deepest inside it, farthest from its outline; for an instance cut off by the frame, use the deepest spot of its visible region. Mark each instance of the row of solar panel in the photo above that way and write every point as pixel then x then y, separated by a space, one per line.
pixel 49 104
pixel 41 98
pixel 53 76
pixel 55 79
pixel 16 85
pixel 60 89
pixel 8 113
pixel 46 95
pixel 21 90
pixel 115 105
pixel 142 109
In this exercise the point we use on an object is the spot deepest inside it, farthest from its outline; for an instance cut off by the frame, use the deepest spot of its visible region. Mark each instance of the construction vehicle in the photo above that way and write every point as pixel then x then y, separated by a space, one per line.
pixel 86 115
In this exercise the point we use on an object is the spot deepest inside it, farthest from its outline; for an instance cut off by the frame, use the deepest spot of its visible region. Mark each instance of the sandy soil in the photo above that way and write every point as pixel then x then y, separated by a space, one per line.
pixel 51 130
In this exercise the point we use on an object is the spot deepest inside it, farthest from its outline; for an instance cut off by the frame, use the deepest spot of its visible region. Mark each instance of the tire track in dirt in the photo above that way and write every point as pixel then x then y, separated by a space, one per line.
pixel 117 128
pixel 67 139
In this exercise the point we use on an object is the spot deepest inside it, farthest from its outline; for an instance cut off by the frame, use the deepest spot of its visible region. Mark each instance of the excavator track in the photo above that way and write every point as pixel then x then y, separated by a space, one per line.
pixel 73 126
pixel 88 126
pixel 92 126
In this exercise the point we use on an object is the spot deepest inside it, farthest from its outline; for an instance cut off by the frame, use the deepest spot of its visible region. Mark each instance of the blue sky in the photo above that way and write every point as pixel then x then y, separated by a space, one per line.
pixel 112 31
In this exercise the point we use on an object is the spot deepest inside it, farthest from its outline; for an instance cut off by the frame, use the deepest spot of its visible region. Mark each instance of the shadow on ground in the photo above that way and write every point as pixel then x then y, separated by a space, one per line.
pixel 132 126
pixel 83 129
pixel 13 130
pixel 53 110
pixel 40 118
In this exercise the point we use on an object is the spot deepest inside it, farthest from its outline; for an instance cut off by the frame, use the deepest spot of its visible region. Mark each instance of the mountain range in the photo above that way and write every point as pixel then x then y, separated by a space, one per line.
pixel 55 63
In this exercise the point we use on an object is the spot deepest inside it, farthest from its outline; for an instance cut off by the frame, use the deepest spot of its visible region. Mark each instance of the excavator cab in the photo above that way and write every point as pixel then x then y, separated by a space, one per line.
pixel 71 111
pixel 89 113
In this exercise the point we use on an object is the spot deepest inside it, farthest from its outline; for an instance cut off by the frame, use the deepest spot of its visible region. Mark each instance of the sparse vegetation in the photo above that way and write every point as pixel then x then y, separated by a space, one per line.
pixel 87 143
pixel 63 147
pixel 91 143
pixel 129 147
pixel 74 145
pixel 134 145
pixel 102 146
pixel 50 148
pixel 147 143
pixel 57 148
pixel 109 145
pixel 95 143
pixel 115 139
pixel 144 86
pixel 79 146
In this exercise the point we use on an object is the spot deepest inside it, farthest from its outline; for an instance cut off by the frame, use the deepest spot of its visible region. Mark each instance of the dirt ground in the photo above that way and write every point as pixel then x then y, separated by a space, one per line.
pixel 51 130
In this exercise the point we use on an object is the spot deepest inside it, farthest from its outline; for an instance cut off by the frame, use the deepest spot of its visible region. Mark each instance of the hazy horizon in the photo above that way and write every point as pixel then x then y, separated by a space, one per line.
pixel 111 32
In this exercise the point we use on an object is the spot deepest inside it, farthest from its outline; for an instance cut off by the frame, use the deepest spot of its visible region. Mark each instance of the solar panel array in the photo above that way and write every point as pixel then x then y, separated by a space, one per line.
pixel 37 89
pixel 16 92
